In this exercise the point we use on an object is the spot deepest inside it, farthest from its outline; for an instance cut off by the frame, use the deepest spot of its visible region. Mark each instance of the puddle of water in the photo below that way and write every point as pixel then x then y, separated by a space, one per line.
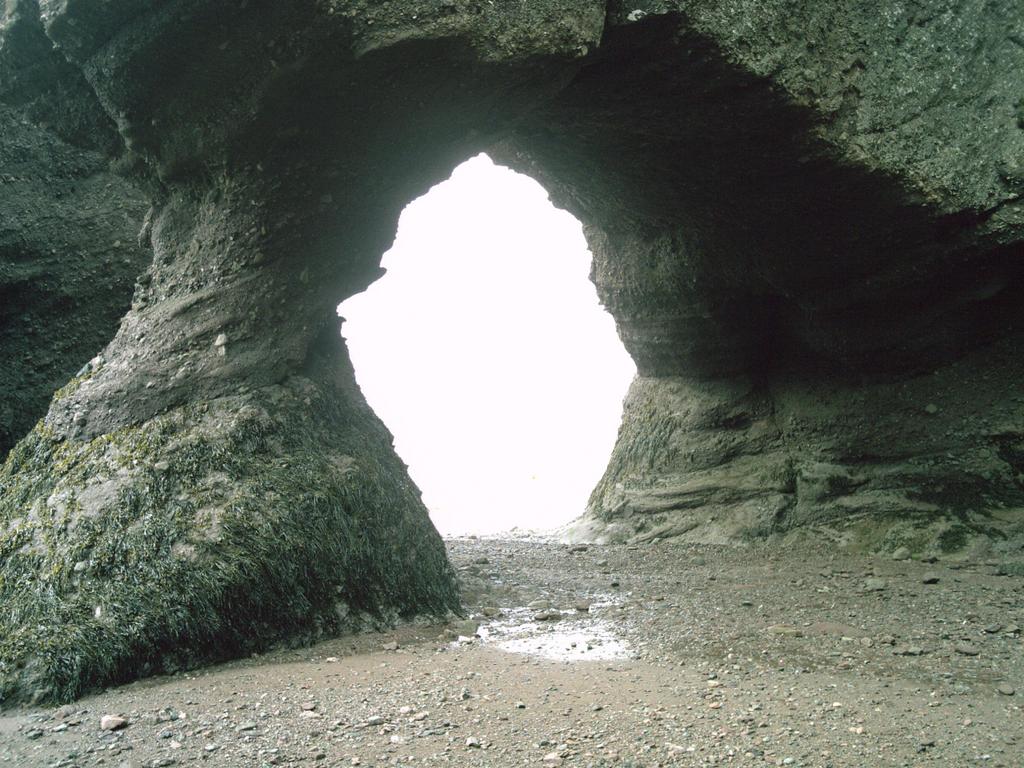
pixel 573 638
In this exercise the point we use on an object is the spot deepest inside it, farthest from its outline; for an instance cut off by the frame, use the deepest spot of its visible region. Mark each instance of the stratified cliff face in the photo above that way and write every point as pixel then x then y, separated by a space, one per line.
pixel 805 220
pixel 69 253
pixel 807 223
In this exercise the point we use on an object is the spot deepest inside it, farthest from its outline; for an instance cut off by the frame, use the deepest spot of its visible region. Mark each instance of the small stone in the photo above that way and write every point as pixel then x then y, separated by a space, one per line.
pixel 930 578
pixel 994 629
pixel 112 723
pixel 490 611
pixel 308 706
pixel 966 649
pixel 931 409
pixel 875 584
pixel 908 650
pixel 552 758
pixel 547 616
pixel 520 705
pixel 375 720
pixel 785 630
pixel 221 340
pixel 902 553
pixel 1006 689
pixel 583 606
pixel 248 725
pixel 391 645
pixel 465 628
pixel 473 742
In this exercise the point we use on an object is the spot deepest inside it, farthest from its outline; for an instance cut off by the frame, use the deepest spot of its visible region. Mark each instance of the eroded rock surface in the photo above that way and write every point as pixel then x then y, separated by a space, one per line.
pixel 806 221
pixel 818 279
pixel 69 253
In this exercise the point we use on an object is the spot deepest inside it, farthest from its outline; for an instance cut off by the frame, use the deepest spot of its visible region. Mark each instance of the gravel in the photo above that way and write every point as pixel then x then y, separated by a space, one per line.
pixel 783 658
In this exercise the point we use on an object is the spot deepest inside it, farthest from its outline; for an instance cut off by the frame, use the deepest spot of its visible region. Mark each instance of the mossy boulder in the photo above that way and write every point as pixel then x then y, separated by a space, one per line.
pixel 215 530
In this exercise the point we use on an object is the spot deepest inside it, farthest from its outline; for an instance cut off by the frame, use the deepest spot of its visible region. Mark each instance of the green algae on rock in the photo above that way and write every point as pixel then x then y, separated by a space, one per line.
pixel 215 530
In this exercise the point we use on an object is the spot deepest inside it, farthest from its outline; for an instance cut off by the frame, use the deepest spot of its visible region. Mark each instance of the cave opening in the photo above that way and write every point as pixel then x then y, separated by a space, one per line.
pixel 486 352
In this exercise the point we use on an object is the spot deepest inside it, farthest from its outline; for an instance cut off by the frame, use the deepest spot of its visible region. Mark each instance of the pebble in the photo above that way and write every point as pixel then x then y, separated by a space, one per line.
pixel 908 650
pixel 875 584
pixel 113 723
pixel 467 628
pixel 473 742
pixel 930 578
pixel 966 649
pixel 1006 689
pixel 902 553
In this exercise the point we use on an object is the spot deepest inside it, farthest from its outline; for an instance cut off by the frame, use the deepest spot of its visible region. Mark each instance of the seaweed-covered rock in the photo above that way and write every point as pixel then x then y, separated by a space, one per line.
pixel 214 530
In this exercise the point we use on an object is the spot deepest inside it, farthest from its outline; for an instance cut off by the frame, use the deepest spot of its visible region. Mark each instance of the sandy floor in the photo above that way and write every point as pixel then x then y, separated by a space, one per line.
pixel 609 656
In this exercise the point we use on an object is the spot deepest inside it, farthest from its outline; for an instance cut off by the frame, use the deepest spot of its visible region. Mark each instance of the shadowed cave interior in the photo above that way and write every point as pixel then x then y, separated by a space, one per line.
pixel 820 290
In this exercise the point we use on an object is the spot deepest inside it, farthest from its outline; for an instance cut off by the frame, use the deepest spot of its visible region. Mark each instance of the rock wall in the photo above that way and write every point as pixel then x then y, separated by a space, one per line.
pixel 807 223
pixel 805 219
pixel 219 444
pixel 69 251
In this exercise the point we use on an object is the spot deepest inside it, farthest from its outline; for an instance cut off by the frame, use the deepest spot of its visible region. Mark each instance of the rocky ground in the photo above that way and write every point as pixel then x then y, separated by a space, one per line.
pixel 606 656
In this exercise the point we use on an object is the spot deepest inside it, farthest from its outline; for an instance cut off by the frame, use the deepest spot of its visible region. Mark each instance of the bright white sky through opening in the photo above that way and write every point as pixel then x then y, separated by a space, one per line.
pixel 485 351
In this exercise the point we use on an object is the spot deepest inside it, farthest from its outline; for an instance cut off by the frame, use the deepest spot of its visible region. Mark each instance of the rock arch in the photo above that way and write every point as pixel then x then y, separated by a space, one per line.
pixel 805 219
